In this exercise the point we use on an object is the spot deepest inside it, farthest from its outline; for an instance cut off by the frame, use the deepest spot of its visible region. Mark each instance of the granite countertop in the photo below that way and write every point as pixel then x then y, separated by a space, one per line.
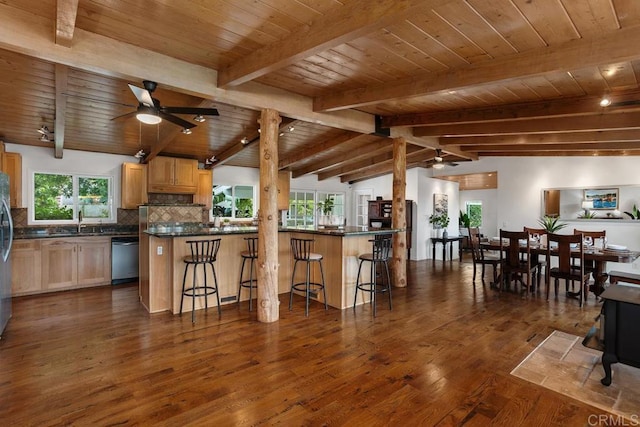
pixel 246 229
pixel 85 231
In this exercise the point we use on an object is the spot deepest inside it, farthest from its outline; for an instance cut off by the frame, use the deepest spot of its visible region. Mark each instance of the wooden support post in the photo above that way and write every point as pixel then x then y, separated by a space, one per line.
pixel 268 304
pixel 399 218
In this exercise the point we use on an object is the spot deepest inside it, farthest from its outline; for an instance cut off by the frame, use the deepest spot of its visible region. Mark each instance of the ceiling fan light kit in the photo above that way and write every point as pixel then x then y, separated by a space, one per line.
pixel 150 112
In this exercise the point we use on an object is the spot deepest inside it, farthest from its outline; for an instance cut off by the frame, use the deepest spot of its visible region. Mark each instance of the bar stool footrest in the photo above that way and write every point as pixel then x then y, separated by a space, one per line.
pixel 200 291
pixel 302 287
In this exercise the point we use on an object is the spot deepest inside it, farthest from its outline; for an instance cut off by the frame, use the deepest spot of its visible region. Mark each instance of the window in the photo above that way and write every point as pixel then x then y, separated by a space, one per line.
pixel 58 198
pixel 233 201
pixel 474 210
pixel 303 204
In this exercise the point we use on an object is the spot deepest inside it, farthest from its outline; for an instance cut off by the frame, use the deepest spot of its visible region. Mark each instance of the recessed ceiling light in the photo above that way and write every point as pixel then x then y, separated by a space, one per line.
pixel 605 102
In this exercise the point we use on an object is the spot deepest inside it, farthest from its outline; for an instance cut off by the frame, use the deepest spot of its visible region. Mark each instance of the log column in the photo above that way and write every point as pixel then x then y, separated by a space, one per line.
pixel 268 304
pixel 399 218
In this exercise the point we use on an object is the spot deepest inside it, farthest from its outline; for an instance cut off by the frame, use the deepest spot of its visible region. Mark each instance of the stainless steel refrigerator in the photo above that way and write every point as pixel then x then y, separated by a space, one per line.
pixel 6 237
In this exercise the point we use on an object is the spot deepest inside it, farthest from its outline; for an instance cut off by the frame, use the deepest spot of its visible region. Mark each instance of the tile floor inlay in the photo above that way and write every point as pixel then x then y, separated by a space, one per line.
pixel 562 364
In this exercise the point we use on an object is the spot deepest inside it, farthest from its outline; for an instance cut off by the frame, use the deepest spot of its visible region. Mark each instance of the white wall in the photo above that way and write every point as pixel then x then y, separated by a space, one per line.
pixel 39 159
pixel 522 179
pixel 489 199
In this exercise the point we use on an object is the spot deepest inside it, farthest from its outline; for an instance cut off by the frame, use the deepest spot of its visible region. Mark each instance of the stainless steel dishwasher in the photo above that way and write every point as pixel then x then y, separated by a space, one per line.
pixel 124 259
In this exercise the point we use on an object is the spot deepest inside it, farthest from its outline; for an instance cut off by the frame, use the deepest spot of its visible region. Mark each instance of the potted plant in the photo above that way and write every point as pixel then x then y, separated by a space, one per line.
pixel 440 221
pixel 326 207
pixel 551 223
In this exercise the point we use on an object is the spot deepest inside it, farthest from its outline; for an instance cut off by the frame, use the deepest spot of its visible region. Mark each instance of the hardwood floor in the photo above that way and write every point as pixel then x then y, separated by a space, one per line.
pixel 441 357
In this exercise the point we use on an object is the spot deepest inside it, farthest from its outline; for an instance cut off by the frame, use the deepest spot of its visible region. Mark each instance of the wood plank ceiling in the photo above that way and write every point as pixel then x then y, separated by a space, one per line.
pixel 471 78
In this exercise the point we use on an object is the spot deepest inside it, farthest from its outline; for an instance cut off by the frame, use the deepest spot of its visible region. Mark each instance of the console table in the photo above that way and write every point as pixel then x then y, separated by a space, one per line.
pixel 444 240
pixel 621 312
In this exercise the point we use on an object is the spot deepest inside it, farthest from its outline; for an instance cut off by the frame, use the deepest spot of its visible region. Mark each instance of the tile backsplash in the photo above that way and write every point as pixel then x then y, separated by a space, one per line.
pixel 20 217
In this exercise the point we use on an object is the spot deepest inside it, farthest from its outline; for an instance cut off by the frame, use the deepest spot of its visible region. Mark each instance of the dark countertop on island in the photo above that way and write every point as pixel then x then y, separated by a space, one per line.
pixel 247 229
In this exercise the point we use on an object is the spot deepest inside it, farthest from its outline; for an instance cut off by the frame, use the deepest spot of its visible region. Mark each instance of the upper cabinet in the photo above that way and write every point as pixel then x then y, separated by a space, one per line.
pixel 284 184
pixel 205 184
pixel 133 186
pixel 12 166
pixel 173 175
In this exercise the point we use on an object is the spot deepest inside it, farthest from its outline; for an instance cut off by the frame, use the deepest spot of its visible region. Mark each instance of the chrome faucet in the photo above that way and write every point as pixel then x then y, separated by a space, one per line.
pixel 79 220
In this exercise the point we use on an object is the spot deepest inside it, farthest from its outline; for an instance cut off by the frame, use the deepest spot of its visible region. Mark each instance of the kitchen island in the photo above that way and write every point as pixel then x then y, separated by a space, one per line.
pixel 162 269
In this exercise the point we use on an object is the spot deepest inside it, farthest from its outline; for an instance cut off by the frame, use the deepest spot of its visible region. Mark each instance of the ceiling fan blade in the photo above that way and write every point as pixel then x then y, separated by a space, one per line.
pixel 176 120
pixel 190 110
pixel 125 116
pixel 142 95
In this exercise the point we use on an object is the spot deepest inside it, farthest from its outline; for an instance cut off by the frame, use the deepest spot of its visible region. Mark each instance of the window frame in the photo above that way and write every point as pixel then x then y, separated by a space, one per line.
pixel 468 205
pixel 318 195
pixel 233 203
pixel 75 177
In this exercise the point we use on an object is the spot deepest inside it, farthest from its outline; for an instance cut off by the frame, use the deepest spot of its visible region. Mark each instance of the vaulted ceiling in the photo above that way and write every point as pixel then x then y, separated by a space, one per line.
pixel 472 78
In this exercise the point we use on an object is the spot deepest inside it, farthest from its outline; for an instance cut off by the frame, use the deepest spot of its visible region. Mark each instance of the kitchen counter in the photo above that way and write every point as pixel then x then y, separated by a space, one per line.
pixel 189 231
pixel 86 231
pixel 162 268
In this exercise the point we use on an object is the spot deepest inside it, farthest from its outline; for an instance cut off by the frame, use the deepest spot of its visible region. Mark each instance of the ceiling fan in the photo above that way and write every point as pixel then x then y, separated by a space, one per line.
pixel 150 111
pixel 438 162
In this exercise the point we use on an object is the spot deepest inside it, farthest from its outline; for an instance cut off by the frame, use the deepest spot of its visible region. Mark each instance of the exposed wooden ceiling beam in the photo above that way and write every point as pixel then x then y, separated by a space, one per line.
pixel 384 167
pixel 572 153
pixel 575 54
pixel 318 148
pixel 365 150
pixel 66 12
pixel 543 138
pixel 348 22
pixel 361 162
pixel 172 133
pixel 30 34
pixel 613 121
pixel 585 146
pixel 428 142
pixel 574 106
pixel 237 147
pixel 62 77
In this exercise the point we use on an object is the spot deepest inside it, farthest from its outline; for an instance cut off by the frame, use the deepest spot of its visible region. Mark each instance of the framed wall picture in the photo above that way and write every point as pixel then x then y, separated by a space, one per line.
pixel 602 198
pixel 440 204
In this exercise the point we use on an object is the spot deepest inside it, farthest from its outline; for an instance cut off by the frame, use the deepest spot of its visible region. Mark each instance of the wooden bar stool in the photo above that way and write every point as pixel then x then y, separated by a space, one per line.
pixel 250 254
pixel 203 252
pixel 301 250
pixel 381 247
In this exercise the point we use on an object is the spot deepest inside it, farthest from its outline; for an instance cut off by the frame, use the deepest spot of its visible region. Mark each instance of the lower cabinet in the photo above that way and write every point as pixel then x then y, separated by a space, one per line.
pixel 26 277
pixel 44 265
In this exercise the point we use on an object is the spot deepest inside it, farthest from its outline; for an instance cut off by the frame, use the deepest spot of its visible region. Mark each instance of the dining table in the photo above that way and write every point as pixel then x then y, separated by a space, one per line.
pixel 599 256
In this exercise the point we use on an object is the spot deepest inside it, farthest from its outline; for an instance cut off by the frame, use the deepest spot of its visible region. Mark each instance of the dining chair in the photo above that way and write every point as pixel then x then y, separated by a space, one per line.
pixel 568 247
pixel 515 259
pixel 480 257
pixel 539 261
pixel 589 265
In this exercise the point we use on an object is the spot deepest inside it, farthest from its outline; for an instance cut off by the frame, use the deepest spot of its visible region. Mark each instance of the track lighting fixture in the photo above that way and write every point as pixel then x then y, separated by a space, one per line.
pixel 140 154
pixel 45 134
pixel 44 138
pixel 187 131
pixel 44 130
pixel 199 118
pixel 244 140
pixel 291 128
pixel 211 160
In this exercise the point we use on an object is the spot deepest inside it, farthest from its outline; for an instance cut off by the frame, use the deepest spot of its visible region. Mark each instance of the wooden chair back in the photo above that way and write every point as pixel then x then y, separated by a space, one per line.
pixel 593 234
pixel 515 256
pixel 566 254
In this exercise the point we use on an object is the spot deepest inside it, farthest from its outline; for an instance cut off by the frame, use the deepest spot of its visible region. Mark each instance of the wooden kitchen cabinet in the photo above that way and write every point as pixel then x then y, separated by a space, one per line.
pixel 284 187
pixel 204 194
pixel 75 262
pixel 26 275
pixel 172 175
pixel 133 191
pixel 12 166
